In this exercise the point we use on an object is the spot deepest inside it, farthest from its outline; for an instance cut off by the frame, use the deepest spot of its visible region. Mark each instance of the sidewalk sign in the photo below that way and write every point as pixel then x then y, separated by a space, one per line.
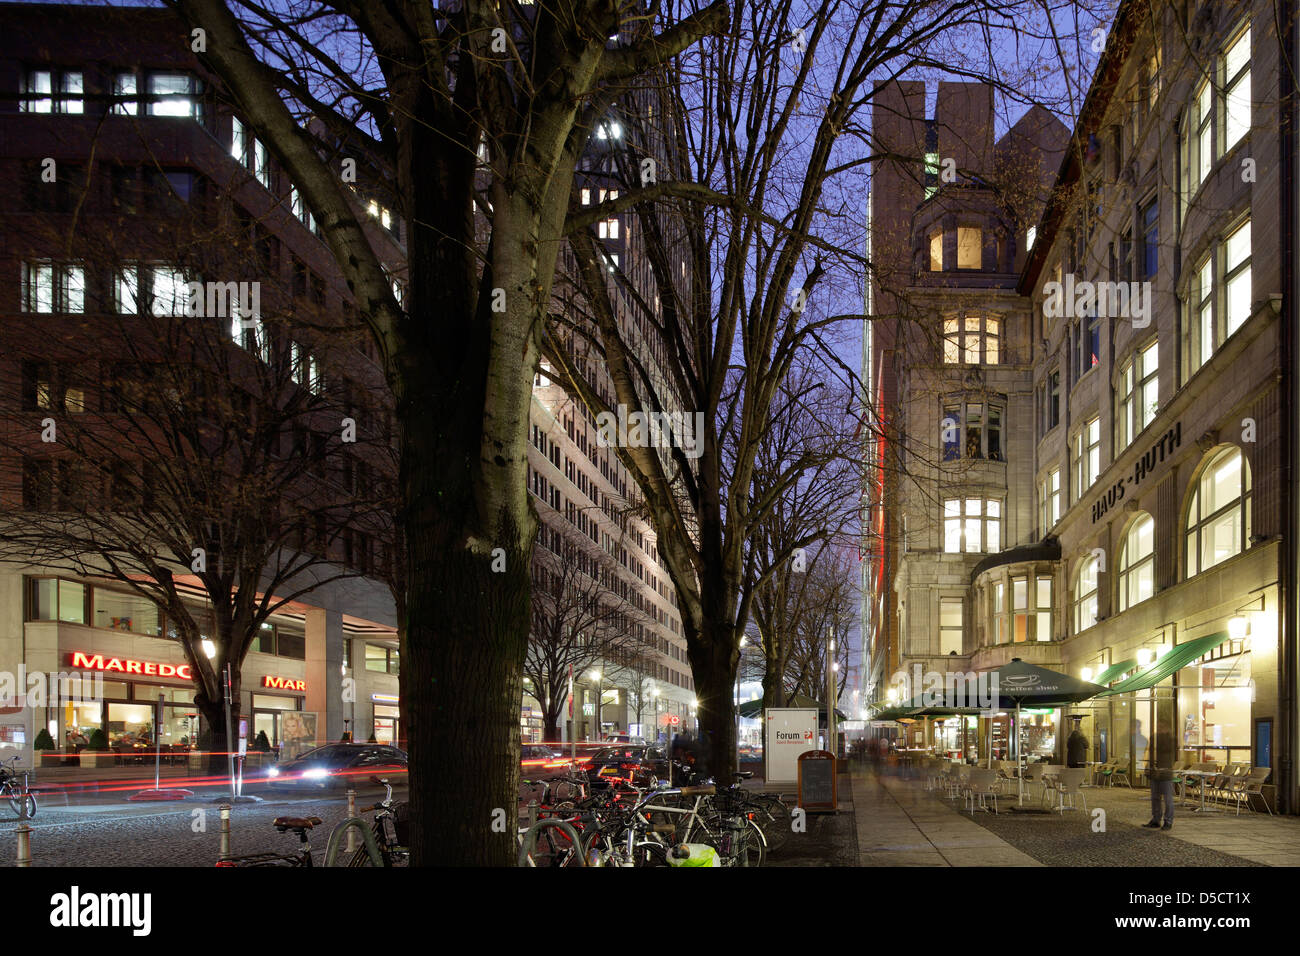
pixel 788 732
pixel 818 785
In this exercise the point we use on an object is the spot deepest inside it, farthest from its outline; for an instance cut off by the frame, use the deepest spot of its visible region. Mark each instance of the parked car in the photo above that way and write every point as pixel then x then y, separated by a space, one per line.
pixel 339 765
pixel 626 761
pixel 625 739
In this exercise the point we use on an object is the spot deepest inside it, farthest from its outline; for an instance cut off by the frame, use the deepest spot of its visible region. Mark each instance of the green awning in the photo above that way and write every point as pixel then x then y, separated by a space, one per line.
pixel 1113 672
pixel 1175 660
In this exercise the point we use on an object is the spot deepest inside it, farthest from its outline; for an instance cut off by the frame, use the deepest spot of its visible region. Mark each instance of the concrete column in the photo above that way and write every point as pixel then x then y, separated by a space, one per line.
pixel 323 672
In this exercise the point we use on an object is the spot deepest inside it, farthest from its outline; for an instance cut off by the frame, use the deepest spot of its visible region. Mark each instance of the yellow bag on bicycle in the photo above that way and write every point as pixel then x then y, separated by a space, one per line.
pixel 693 854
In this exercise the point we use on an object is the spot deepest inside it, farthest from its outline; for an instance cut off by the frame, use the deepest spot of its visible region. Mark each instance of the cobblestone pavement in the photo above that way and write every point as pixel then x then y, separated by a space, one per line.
pixel 829 839
pixel 172 834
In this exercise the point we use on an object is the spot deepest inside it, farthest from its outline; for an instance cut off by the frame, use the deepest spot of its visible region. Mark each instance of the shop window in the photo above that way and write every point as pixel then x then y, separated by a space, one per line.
pixel 1218 516
pixel 1137 563
pixel 1085 595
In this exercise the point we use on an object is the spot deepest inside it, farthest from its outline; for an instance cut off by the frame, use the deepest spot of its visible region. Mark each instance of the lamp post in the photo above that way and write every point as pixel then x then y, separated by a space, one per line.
pixel 831 668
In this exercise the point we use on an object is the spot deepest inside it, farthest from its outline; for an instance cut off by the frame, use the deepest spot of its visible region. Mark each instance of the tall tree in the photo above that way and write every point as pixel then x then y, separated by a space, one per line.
pixel 420 92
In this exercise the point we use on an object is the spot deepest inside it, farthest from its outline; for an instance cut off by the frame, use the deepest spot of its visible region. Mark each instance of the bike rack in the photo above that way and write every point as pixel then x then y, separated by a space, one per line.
pixel 334 846
pixel 530 839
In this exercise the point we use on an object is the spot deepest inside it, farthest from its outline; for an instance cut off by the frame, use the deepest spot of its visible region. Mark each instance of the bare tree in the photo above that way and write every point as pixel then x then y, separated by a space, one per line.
pixel 828 614
pixel 186 448
pixel 579 622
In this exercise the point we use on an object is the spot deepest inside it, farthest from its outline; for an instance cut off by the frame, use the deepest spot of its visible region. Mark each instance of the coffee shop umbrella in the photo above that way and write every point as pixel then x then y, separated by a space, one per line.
pixel 1020 683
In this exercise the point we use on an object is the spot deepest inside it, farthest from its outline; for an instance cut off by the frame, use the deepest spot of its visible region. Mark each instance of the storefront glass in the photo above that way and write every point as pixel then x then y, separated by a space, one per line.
pixel 117 611
pixel 385 724
pixel 1214 704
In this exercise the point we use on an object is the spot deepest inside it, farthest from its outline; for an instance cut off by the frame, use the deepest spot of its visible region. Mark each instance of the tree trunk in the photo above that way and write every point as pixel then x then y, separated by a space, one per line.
pixel 713 665
pixel 550 727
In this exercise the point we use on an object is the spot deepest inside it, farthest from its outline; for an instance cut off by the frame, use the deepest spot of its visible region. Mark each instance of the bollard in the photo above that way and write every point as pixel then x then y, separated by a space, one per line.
pixel 352 831
pixel 532 812
pixel 24 844
pixel 224 853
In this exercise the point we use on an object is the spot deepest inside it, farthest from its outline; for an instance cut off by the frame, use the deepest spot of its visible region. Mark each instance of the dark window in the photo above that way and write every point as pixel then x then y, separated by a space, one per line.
pixel 1054 398
pixel 1150 239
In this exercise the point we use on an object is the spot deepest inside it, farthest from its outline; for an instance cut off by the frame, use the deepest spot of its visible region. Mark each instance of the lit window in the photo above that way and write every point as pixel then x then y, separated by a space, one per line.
pixel 1204 304
pixel 1085 595
pixel 1236 277
pixel 1236 91
pixel 1137 563
pixel 1204 132
pixel 950 625
pixel 52 91
pixel 970 248
pixel 126 290
pixel 973 340
pixel 979 424
pixel 608 229
pixel 1087 456
pixel 1019 610
pixel 1218 516
pixel 931 174
pixel 1138 395
pixel 261 164
pixel 1051 499
pixel 300 210
pixel 936 252
pixel 238 141
pixel 53 287
pixel 586 197
pixel 169 293
pixel 1000 612
pixel 126 90
pixel 173 94
pixel 1043 608
pixel 1030 235
pixel 972 525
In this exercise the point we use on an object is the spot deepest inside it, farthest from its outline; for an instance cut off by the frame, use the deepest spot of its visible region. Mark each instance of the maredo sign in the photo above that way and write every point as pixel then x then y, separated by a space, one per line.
pixel 284 683
pixel 124 665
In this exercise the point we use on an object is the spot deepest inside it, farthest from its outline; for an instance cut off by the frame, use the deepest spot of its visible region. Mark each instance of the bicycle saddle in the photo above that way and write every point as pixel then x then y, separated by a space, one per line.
pixel 295 823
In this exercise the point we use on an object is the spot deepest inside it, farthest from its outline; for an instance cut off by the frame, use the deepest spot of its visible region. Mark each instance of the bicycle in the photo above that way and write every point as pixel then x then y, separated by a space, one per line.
pixel 718 818
pixel 300 826
pixel 383 843
pixel 21 800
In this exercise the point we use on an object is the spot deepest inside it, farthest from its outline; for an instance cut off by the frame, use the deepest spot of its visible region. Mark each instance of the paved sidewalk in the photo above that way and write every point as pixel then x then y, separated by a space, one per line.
pixel 899 824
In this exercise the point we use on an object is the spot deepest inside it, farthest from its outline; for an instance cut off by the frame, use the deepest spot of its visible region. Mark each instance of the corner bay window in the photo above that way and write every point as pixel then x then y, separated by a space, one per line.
pixel 1213 316
pixel 972 525
pixel 1050 497
pixel 1087 456
pixel 1030 611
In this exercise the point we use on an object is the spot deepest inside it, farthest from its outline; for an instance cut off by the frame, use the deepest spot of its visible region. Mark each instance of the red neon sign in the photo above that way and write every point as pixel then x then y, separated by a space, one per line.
pixel 97 662
pixel 284 683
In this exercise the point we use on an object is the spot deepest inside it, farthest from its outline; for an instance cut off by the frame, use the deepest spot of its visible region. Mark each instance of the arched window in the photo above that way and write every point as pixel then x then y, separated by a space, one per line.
pixel 1085 595
pixel 1137 563
pixel 1218 516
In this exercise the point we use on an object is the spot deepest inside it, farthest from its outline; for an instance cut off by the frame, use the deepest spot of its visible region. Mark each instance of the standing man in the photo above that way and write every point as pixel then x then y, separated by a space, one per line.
pixel 1076 747
pixel 1162 779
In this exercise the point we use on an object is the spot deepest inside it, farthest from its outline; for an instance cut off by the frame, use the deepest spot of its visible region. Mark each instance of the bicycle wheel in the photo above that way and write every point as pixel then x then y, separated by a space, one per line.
pixel 30 801
pixel 738 840
pixel 555 847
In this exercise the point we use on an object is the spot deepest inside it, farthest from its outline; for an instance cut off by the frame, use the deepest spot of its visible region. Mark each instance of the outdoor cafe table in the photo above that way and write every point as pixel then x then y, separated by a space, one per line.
pixel 1202 774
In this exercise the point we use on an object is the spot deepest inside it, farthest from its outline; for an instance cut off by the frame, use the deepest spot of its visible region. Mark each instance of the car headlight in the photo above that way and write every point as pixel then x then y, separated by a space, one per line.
pixel 315 773
pixel 273 772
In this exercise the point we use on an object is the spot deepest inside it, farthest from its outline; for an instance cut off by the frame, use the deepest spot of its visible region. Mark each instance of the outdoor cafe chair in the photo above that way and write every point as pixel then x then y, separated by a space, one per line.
pixel 980 785
pixel 960 778
pixel 1119 771
pixel 1047 777
pixel 1253 785
pixel 1069 784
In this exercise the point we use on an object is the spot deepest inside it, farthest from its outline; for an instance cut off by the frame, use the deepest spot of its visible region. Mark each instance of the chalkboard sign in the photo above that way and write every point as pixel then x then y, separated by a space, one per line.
pixel 818 788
